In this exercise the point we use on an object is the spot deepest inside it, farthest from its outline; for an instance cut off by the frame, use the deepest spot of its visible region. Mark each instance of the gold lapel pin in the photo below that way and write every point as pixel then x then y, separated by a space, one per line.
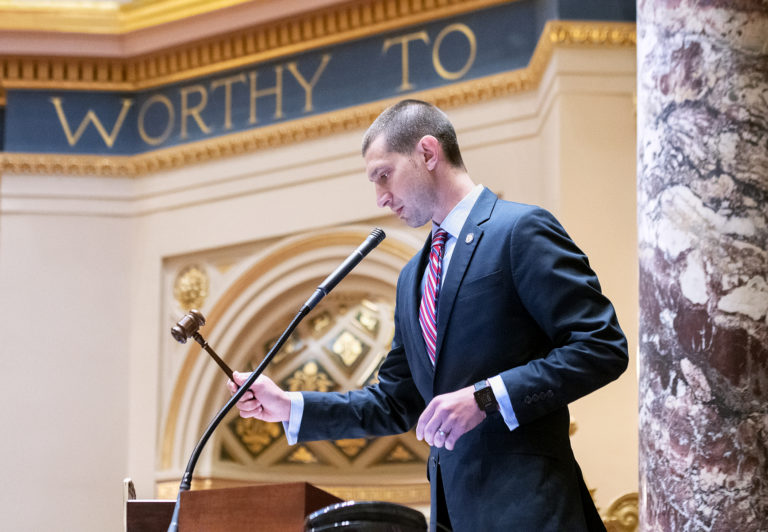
pixel 469 238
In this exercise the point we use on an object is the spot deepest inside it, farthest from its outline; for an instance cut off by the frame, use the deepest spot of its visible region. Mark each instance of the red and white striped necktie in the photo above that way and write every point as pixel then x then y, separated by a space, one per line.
pixel 428 307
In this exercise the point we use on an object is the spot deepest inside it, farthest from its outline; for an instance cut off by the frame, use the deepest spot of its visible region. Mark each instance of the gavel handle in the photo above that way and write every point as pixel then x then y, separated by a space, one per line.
pixel 223 365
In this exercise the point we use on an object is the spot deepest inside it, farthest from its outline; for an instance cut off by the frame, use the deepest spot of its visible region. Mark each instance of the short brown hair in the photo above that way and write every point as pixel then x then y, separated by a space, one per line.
pixel 406 122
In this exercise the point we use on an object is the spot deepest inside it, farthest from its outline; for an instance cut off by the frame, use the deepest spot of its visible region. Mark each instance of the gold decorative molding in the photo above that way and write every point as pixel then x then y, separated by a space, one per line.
pixel 333 25
pixel 623 514
pixel 555 34
pixel 102 17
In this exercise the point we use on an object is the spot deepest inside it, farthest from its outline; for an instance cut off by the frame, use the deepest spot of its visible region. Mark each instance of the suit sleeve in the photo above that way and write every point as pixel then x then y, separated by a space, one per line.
pixel 391 406
pixel 562 294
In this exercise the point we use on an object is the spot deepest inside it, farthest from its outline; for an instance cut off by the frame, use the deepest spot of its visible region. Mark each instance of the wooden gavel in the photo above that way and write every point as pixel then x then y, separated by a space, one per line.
pixel 188 327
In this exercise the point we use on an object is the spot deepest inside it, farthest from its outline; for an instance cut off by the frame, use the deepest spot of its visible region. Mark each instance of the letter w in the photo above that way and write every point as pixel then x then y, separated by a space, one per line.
pixel 109 138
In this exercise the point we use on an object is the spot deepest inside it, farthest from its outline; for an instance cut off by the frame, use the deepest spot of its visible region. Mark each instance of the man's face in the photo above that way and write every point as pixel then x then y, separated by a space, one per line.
pixel 402 182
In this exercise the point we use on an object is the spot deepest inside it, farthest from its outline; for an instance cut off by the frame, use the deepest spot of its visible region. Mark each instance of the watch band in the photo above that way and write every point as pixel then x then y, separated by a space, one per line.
pixel 485 398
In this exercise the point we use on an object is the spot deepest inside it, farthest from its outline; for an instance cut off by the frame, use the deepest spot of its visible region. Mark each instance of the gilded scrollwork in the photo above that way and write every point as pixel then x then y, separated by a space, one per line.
pixel 623 514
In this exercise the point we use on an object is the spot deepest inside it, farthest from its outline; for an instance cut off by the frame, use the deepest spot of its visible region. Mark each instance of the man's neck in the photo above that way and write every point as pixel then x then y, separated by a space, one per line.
pixel 455 187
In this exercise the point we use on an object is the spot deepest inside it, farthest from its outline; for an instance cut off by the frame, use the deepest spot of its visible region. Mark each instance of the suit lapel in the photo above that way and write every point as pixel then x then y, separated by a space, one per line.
pixel 460 260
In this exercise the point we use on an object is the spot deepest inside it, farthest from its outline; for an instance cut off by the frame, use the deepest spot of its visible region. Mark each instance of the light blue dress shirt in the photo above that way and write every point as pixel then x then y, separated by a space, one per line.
pixel 452 224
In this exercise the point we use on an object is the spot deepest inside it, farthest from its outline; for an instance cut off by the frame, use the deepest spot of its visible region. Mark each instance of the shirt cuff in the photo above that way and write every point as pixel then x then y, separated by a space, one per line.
pixel 505 404
pixel 291 426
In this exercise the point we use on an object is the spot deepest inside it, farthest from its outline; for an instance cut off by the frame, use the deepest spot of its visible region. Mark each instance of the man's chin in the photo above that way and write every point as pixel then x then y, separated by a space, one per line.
pixel 414 223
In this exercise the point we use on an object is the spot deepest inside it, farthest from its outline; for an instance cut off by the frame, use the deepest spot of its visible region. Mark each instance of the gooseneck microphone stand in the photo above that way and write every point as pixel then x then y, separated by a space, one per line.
pixel 187 327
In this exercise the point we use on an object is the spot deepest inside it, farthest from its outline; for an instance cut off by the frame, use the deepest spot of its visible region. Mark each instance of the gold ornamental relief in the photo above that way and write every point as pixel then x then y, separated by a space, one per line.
pixel 352 447
pixel 302 455
pixel 191 287
pixel 311 377
pixel 400 454
pixel 254 434
pixel 348 348
pixel 623 514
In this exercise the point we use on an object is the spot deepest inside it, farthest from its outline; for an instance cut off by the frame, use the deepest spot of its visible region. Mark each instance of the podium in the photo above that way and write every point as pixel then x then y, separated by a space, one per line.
pixel 268 507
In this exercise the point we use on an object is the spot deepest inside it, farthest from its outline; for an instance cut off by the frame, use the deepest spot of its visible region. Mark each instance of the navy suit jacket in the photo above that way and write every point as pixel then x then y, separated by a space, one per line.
pixel 519 300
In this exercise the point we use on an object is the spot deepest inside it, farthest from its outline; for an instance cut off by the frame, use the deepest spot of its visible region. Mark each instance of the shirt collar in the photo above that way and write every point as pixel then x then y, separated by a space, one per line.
pixel 459 214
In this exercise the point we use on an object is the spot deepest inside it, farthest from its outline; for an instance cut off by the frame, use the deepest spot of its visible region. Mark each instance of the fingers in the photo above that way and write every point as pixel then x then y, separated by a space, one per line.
pixel 431 422
pixel 239 380
pixel 450 439
pixel 447 417
pixel 443 432
pixel 248 404
pixel 264 399
pixel 251 408
pixel 424 418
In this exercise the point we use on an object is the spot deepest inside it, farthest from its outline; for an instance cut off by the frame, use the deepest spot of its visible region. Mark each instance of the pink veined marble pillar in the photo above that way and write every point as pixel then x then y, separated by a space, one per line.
pixel 703 237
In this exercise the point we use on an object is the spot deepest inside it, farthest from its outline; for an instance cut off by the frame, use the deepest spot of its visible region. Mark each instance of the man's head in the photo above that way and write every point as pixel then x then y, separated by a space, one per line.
pixel 405 123
pixel 412 157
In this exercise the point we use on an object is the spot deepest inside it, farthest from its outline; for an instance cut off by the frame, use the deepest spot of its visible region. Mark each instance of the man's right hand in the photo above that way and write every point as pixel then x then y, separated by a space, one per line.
pixel 268 402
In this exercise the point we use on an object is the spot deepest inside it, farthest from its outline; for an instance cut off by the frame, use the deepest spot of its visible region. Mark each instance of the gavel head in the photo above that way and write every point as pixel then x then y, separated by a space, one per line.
pixel 188 326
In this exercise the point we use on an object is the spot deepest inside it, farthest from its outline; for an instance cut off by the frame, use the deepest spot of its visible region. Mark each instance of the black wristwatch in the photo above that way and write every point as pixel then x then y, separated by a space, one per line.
pixel 486 401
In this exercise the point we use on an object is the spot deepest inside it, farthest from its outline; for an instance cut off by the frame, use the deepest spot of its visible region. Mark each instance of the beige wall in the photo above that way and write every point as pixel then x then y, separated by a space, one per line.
pixel 65 285
pixel 84 267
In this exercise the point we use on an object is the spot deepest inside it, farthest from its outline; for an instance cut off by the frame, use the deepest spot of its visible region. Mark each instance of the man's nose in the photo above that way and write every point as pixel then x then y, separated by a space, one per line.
pixel 383 197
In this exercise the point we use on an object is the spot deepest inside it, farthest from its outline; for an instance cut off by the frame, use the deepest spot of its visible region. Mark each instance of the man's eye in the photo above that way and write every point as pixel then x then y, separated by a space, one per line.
pixel 383 176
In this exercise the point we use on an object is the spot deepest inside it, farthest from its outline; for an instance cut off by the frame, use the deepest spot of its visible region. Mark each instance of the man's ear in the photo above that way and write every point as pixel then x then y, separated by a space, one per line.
pixel 430 151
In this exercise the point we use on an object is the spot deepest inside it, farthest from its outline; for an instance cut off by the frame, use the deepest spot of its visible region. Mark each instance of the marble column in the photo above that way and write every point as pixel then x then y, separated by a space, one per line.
pixel 703 246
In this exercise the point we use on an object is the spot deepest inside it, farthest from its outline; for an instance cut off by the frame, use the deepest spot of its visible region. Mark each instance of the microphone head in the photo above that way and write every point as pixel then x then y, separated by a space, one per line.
pixel 378 235
pixel 188 326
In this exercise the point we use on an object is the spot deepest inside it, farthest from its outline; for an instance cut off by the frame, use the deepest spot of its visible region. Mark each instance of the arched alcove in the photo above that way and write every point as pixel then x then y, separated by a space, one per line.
pixel 337 347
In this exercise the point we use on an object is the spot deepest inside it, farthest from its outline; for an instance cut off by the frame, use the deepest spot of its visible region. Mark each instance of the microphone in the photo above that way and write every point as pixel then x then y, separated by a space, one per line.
pixel 373 240
pixel 188 327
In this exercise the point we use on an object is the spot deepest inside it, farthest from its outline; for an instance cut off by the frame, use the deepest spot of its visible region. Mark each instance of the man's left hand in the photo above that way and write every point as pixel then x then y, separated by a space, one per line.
pixel 448 417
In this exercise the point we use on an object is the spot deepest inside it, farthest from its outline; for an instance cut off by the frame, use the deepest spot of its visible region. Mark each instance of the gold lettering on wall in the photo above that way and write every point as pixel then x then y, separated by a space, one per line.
pixel 91 117
pixel 227 84
pixel 276 91
pixel 293 69
pixel 192 106
pixel 194 112
pixel 403 41
pixel 469 34
pixel 164 100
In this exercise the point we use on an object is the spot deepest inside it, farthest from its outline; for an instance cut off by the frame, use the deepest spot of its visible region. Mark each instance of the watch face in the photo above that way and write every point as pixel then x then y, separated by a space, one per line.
pixel 485 399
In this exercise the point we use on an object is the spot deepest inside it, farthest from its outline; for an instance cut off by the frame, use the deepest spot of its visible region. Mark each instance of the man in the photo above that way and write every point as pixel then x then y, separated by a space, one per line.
pixel 499 324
